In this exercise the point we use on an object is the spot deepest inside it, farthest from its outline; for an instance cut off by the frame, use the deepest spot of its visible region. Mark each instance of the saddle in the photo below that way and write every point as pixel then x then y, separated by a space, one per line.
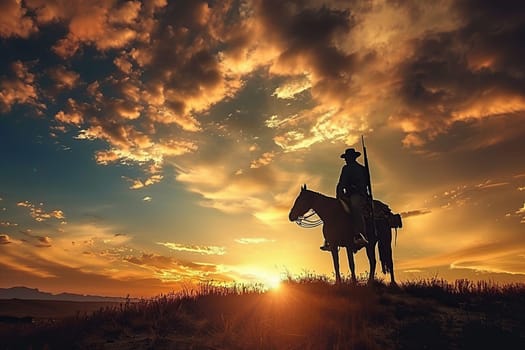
pixel 381 211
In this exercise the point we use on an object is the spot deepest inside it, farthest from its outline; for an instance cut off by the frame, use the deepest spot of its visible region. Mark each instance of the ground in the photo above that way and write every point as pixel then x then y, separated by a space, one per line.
pixel 305 313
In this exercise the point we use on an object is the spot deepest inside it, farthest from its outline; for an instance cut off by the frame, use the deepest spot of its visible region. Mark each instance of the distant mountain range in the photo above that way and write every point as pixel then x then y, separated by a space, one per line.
pixel 35 294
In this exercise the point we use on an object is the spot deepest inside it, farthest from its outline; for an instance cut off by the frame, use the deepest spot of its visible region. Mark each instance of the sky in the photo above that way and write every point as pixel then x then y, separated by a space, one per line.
pixel 150 145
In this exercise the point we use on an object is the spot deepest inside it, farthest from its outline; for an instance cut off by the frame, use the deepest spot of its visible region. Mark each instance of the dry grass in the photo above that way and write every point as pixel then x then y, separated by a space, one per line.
pixel 308 312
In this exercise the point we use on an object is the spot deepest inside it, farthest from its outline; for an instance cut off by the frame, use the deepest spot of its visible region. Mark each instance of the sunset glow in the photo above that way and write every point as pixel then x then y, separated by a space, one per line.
pixel 151 145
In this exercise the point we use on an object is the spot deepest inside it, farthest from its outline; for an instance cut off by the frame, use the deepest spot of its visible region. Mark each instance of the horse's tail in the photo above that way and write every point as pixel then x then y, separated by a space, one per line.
pixel 384 238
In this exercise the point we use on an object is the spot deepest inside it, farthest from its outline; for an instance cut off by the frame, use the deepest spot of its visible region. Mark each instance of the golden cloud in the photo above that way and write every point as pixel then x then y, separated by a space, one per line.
pixel 39 214
pixel 14 21
pixel 4 239
pixel 66 118
pixel 105 25
pixel 44 242
pixel 490 257
pixel 19 89
pixel 292 87
pixel 265 159
pixel 64 79
pixel 206 250
pixel 253 240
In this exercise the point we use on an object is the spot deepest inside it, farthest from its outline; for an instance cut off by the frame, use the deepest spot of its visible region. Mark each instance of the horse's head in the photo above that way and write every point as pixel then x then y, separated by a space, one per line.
pixel 301 206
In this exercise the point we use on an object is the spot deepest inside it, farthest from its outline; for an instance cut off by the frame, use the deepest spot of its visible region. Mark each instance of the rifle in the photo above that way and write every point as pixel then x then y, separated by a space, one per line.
pixel 369 184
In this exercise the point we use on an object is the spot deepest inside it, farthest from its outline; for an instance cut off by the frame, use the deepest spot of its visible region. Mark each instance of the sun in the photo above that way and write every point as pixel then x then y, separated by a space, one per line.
pixel 272 282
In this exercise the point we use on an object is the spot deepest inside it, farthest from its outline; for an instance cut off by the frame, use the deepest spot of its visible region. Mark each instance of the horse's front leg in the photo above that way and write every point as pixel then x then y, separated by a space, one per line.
pixel 351 264
pixel 392 278
pixel 371 254
pixel 335 258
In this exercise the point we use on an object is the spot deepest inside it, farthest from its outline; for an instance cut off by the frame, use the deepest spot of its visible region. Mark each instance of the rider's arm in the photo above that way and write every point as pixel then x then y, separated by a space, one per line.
pixel 343 182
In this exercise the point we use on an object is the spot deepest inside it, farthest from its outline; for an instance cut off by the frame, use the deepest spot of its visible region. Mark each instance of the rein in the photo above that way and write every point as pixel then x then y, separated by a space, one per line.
pixel 305 221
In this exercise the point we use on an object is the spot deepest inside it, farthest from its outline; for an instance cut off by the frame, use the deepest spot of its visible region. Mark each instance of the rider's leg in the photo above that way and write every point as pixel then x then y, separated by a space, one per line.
pixel 326 247
pixel 360 236
pixel 357 202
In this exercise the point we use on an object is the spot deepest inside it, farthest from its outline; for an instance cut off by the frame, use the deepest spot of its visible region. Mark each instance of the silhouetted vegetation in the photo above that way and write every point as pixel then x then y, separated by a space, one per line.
pixel 304 313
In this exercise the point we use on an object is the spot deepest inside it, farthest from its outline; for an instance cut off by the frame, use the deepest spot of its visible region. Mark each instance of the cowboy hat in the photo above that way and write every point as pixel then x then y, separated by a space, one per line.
pixel 350 153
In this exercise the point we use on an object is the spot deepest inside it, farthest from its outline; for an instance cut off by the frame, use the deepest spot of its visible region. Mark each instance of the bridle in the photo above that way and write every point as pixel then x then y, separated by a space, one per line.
pixel 304 221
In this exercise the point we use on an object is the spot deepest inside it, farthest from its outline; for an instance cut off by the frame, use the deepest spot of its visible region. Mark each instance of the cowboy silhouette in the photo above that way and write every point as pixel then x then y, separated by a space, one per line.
pixel 352 188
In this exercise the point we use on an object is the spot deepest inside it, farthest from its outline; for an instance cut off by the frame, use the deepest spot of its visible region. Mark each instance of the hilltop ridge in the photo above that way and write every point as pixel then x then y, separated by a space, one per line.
pixel 307 313
pixel 27 293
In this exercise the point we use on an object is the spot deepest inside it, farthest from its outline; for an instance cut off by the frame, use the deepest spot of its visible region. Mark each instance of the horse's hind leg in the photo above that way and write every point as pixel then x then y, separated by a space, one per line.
pixel 371 254
pixel 392 278
pixel 335 258
pixel 351 263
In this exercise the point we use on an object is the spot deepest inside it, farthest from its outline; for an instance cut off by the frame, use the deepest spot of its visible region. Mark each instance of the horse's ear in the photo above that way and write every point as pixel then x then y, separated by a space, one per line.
pixel 303 187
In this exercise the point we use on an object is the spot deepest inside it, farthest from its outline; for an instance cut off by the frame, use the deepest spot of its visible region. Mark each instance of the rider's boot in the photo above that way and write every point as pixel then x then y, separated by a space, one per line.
pixel 325 247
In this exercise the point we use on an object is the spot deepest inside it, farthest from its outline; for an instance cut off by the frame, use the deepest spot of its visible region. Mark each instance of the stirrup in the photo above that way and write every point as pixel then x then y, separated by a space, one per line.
pixel 325 247
pixel 360 240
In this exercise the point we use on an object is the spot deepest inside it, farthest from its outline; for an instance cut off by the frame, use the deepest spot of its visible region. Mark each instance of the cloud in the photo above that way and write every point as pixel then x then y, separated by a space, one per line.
pixel 138 183
pixel 333 71
pixel 64 79
pixel 104 25
pixel 73 118
pixel 4 239
pixel 8 224
pixel 14 21
pixel 292 87
pixel 265 159
pixel 205 250
pixel 39 214
pixel 253 240
pixel 44 242
pixel 407 214
pixel 170 269
pixel 491 257
pixel 521 212
pixel 467 72
pixel 19 88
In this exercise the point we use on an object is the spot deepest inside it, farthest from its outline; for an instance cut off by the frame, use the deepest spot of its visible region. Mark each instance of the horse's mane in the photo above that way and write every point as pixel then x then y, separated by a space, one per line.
pixel 319 194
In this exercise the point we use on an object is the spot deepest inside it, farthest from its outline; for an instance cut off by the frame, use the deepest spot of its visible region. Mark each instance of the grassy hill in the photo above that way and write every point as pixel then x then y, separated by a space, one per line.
pixel 305 313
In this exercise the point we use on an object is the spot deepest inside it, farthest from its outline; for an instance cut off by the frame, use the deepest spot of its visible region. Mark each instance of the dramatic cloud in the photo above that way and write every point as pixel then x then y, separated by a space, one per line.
pixel 470 72
pixel 292 87
pixel 222 109
pixel 103 24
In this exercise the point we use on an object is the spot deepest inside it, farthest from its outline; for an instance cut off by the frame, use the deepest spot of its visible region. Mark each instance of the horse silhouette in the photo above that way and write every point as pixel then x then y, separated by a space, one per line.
pixel 338 231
